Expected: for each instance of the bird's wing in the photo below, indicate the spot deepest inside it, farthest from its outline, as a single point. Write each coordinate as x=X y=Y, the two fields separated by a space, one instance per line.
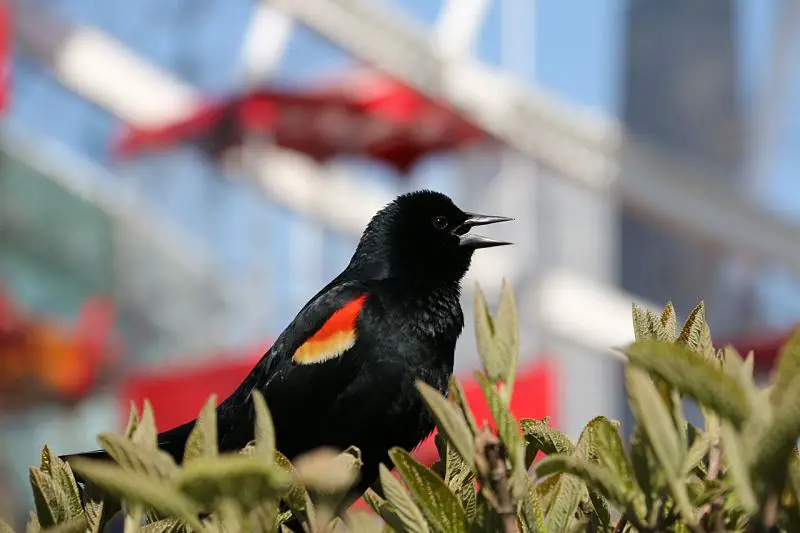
x=308 y=366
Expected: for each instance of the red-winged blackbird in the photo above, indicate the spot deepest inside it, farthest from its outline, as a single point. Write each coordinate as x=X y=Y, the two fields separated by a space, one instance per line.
x=343 y=372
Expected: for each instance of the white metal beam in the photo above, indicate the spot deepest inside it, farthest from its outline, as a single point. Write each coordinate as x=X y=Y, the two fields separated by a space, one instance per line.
x=571 y=143
x=458 y=25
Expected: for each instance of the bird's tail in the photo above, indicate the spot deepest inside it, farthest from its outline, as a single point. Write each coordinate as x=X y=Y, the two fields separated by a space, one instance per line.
x=172 y=441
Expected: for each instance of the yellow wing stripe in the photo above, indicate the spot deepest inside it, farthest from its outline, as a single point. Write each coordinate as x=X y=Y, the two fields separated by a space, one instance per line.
x=319 y=351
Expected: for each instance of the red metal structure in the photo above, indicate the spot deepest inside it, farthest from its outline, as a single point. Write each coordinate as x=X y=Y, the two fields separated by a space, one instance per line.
x=41 y=360
x=360 y=113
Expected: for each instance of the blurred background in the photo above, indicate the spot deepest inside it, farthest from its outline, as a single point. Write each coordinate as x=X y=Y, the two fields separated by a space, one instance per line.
x=177 y=178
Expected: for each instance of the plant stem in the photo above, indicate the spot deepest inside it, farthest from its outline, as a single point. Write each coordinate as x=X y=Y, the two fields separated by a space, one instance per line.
x=491 y=461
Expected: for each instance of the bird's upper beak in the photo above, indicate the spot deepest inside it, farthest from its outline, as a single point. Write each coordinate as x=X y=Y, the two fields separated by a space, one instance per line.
x=474 y=241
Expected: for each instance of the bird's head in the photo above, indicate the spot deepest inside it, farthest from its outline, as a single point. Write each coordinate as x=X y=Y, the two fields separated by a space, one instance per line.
x=422 y=235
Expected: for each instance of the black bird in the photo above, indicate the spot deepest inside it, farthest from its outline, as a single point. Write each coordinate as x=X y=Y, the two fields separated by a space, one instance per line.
x=343 y=372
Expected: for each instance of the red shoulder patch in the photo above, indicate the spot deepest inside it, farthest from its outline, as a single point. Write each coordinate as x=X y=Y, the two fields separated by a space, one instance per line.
x=336 y=336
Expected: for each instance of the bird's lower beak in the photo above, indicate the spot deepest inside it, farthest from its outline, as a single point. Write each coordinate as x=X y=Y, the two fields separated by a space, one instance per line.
x=473 y=241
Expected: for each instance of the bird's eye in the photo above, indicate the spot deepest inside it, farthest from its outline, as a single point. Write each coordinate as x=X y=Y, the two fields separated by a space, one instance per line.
x=439 y=222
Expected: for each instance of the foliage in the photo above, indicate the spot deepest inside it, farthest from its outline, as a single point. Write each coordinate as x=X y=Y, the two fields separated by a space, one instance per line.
x=739 y=472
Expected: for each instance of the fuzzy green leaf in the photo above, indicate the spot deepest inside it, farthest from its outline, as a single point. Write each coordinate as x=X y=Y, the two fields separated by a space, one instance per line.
x=202 y=441
x=450 y=422
x=773 y=445
x=48 y=498
x=694 y=376
x=5 y=527
x=385 y=510
x=655 y=419
x=596 y=477
x=327 y=471
x=509 y=432
x=507 y=336
x=491 y=354
x=61 y=475
x=136 y=487
x=611 y=455
x=565 y=497
x=167 y=525
x=265 y=429
x=145 y=433
x=138 y=458
x=133 y=421
x=250 y=480
x=531 y=510
x=646 y=324
x=691 y=335
x=787 y=369
x=697 y=452
x=546 y=438
x=440 y=506
x=296 y=496
x=407 y=512
x=738 y=468
x=670 y=322
x=457 y=396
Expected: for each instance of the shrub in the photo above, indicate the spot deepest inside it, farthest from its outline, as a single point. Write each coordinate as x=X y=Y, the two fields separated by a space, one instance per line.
x=740 y=472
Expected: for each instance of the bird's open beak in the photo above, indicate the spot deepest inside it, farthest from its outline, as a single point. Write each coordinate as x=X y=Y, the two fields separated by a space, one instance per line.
x=474 y=241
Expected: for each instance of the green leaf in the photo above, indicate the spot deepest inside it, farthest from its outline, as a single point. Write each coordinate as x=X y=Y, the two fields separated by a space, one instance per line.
x=406 y=510
x=250 y=480
x=202 y=442
x=670 y=322
x=138 y=458
x=566 y=495
x=167 y=525
x=691 y=335
x=492 y=355
x=648 y=325
x=133 y=421
x=655 y=419
x=456 y=395
x=5 y=527
x=440 y=506
x=697 y=452
x=61 y=475
x=545 y=438
x=507 y=336
x=694 y=376
x=328 y=471
x=772 y=446
x=385 y=510
x=265 y=429
x=736 y=367
x=787 y=368
x=136 y=487
x=296 y=496
x=450 y=422
x=738 y=468
x=509 y=432
x=47 y=496
x=611 y=455
x=145 y=433
x=596 y=477
x=531 y=510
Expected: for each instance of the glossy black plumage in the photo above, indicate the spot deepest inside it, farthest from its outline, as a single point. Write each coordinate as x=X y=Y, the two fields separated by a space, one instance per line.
x=409 y=263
